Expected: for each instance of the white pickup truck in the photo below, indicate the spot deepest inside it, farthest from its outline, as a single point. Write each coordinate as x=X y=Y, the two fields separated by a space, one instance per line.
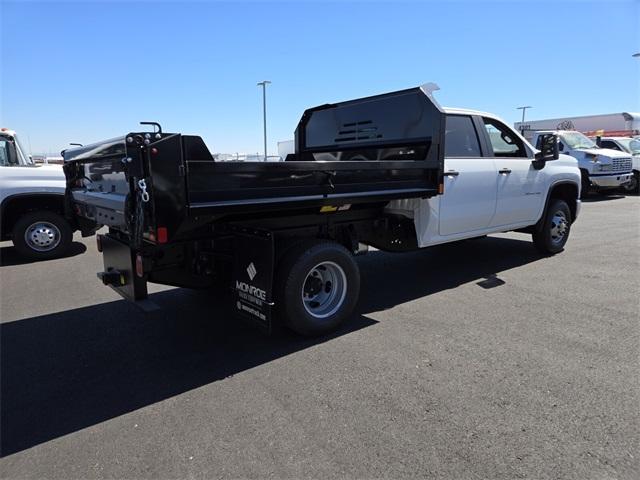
x=31 y=202
x=629 y=145
x=602 y=169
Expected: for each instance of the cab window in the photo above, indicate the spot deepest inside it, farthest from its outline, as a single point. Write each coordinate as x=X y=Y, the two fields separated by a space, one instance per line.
x=503 y=141
x=460 y=138
x=609 y=144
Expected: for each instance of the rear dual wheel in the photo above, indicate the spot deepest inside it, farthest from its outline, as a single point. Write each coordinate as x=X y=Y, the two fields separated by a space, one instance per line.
x=318 y=287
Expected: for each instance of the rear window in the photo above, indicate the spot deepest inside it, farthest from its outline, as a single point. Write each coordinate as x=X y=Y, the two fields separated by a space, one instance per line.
x=461 y=139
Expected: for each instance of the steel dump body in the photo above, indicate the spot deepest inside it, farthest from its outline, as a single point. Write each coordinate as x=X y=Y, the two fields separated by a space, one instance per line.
x=368 y=150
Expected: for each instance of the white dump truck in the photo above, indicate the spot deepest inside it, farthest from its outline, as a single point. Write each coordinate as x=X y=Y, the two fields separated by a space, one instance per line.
x=394 y=171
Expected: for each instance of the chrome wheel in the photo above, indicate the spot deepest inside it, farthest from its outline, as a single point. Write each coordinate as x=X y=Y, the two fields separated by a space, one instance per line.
x=42 y=236
x=324 y=289
x=559 y=227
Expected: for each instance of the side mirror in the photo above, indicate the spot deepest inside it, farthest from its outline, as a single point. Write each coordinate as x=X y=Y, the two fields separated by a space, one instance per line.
x=548 y=145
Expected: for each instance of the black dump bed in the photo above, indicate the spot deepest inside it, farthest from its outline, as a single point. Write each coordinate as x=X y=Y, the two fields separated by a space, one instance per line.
x=367 y=150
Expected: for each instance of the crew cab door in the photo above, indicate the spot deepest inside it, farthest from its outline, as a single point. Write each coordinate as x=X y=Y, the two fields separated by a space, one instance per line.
x=520 y=186
x=470 y=179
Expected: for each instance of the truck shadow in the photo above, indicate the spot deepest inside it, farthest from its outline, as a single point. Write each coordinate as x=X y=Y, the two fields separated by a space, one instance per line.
x=66 y=371
x=389 y=279
x=603 y=198
x=9 y=256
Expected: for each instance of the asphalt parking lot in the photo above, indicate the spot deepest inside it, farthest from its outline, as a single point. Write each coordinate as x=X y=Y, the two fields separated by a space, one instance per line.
x=476 y=360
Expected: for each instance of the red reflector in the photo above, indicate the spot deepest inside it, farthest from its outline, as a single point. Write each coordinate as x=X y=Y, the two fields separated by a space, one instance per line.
x=139 y=266
x=154 y=151
x=99 y=242
x=161 y=234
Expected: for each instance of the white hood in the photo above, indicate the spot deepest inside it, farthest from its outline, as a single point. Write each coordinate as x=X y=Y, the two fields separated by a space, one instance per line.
x=604 y=152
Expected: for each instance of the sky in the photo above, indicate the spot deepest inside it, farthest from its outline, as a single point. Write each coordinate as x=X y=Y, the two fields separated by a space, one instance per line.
x=88 y=71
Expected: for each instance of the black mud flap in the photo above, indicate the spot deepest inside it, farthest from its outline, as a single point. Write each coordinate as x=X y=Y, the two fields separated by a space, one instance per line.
x=120 y=273
x=253 y=277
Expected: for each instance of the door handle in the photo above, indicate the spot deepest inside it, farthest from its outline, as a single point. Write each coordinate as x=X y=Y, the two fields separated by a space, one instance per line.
x=452 y=173
x=506 y=171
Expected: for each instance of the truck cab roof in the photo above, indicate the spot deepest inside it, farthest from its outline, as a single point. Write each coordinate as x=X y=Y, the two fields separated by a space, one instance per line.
x=468 y=111
x=6 y=131
x=540 y=132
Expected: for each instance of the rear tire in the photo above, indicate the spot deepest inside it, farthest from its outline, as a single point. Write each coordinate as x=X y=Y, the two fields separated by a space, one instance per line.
x=552 y=235
x=41 y=235
x=317 y=288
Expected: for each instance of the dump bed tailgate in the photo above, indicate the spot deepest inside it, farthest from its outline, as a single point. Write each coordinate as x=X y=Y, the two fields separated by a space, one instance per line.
x=97 y=182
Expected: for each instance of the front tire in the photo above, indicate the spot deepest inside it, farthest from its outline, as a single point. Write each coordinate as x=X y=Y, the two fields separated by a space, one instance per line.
x=585 y=187
x=317 y=288
x=551 y=236
x=634 y=185
x=42 y=235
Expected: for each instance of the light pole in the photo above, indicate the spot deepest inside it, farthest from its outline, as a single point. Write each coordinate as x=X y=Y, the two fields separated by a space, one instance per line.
x=524 y=109
x=264 y=113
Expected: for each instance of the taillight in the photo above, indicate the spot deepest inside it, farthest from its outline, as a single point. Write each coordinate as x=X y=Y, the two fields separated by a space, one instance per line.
x=139 y=266
x=162 y=235
x=99 y=243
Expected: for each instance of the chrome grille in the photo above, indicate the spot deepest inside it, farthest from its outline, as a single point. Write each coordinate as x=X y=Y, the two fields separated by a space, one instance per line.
x=621 y=164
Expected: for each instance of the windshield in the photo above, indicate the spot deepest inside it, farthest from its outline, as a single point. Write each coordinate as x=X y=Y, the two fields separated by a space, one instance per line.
x=631 y=145
x=577 y=140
